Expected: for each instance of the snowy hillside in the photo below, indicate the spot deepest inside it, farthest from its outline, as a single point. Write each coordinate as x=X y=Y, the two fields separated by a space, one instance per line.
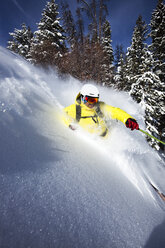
x=62 y=189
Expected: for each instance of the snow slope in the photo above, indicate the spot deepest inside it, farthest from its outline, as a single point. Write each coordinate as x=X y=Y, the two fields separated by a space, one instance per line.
x=63 y=189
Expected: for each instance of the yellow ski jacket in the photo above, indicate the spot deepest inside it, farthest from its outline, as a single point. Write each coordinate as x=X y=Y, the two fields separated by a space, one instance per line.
x=93 y=120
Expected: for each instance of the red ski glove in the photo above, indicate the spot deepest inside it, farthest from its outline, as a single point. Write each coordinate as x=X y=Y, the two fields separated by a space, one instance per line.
x=132 y=123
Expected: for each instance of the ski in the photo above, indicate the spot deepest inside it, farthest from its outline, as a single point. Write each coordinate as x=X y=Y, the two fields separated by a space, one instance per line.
x=159 y=193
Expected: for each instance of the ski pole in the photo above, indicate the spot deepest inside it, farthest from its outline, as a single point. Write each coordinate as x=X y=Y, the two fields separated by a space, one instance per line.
x=151 y=136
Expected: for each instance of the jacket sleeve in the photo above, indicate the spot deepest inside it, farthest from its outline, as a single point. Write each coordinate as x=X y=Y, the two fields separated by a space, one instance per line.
x=115 y=113
x=69 y=114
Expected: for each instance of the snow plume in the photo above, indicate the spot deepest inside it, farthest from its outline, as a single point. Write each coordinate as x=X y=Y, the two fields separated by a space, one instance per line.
x=60 y=188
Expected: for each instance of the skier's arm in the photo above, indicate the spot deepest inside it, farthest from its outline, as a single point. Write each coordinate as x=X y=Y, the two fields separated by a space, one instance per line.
x=118 y=114
x=69 y=117
x=121 y=115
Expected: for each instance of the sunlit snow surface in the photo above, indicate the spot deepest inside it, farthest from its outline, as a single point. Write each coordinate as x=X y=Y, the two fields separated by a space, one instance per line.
x=65 y=189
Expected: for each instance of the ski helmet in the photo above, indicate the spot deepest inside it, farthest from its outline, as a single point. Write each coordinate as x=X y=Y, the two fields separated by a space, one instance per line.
x=89 y=90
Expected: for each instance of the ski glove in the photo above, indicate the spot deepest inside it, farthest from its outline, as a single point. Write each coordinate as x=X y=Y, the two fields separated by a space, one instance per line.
x=132 y=123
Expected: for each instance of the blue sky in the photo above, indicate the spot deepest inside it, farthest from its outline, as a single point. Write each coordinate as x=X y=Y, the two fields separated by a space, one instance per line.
x=122 y=16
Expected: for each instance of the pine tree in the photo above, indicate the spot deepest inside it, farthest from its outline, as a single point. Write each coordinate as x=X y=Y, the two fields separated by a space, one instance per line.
x=119 y=53
x=157 y=47
x=135 y=52
x=48 y=44
x=120 y=77
x=107 y=68
x=151 y=94
x=21 y=40
x=148 y=87
x=157 y=35
x=146 y=68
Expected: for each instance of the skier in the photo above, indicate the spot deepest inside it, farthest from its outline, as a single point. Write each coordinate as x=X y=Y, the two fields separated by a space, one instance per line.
x=91 y=114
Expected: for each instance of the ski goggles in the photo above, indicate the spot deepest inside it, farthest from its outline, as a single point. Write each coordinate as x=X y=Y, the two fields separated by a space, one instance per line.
x=90 y=100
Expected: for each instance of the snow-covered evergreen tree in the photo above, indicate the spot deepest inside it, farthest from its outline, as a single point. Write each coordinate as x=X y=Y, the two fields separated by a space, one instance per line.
x=107 y=67
x=120 y=77
x=157 y=35
x=120 y=64
x=146 y=66
x=135 y=53
x=119 y=53
x=150 y=92
x=21 y=40
x=48 y=43
x=157 y=48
